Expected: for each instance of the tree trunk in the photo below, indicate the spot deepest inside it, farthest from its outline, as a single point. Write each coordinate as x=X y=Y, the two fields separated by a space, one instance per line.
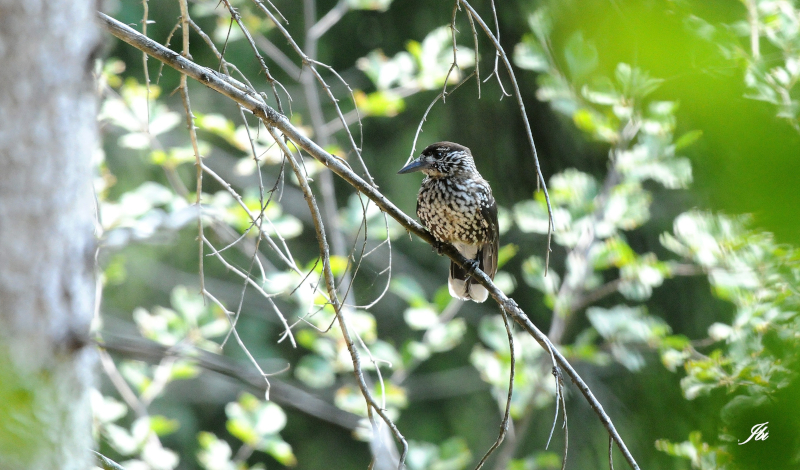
x=47 y=136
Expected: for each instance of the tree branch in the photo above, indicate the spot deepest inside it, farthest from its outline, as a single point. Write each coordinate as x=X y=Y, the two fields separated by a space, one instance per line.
x=282 y=392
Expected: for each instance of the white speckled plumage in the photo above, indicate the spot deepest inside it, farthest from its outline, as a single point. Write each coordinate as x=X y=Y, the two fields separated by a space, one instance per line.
x=456 y=205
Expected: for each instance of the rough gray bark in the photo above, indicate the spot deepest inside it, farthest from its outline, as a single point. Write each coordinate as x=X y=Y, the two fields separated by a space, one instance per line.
x=47 y=136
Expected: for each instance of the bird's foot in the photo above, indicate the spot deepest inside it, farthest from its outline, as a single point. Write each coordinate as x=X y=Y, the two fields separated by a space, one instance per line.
x=439 y=247
x=471 y=265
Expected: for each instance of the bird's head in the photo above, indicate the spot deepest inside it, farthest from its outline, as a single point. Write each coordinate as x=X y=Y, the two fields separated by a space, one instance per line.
x=442 y=160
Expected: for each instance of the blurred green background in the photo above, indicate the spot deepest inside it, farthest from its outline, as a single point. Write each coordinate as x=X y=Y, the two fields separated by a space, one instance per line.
x=744 y=162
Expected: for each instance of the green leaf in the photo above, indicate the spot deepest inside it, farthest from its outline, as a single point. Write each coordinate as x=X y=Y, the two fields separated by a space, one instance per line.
x=614 y=251
x=574 y=189
x=529 y=55
x=214 y=454
x=380 y=103
x=601 y=91
x=445 y=336
x=506 y=253
x=420 y=318
x=635 y=83
x=505 y=282
x=216 y=124
x=184 y=370
x=622 y=326
x=250 y=419
x=189 y=303
x=163 y=426
x=580 y=55
x=596 y=124
x=531 y=216
x=492 y=332
x=280 y=450
x=315 y=371
x=379 y=5
x=408 y=289
x=541 y=24
x=533 y=275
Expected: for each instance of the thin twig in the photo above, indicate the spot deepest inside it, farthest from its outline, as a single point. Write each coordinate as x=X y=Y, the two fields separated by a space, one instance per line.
x=504 y=422
x=270 y=79
x=610 y=454
x=277 y=56
x=528 y=133
x=253 y=283
x=495 y=72
x=477 y=58
x=286 y=257
x=145 y=20
x=184 y=87
x=564 y=426
x=454 y=64
x=141 y=349
x=440 y=96
x=328 y=20
x=328 y=274
x=310 y=62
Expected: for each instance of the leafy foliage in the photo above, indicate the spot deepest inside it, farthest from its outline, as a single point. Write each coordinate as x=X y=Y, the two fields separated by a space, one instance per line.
x=417 y=331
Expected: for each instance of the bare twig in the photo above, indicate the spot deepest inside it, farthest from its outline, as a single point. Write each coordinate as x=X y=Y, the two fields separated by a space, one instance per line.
x=454 y=64
x=193 y=137
x=328 y=275
x=149 y=351
x=563 y=401
x=477 y=57
x=521 y=105
x=495 y=72
x=271 y=117
x=258 y=288
x=331 y=18
x=277 y=56
x=610 y=453
x=270 y=79
x=310 y=63
x=440 y=96
x=504 y=422
x=145 y=21
x=286 y=257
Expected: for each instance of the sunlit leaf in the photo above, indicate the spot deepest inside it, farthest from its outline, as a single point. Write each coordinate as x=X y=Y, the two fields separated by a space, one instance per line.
x=529 y=55
x=380 y=5
x=380 y=103
x=163 y=426
x=445 y=336
x=214 y=454
x=580 y=55
x=315 y=371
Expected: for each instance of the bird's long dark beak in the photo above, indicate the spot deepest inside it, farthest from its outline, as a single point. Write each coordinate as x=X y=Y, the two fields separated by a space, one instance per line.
x=417 y=165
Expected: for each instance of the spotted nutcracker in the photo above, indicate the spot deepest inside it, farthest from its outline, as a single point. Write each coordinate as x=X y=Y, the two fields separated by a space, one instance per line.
x=456 y=204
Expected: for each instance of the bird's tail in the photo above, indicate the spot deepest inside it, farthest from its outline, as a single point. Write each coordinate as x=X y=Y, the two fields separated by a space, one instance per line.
x=461 y=284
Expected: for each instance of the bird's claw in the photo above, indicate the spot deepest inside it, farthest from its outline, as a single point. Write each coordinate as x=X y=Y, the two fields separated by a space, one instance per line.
x=439 y=247
x=471 y=266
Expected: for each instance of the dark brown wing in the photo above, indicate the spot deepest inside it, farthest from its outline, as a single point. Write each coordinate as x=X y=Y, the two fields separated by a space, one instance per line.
x=487 y=255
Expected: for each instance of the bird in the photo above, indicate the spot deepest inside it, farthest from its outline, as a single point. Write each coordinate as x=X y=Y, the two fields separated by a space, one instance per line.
x=456 y=205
